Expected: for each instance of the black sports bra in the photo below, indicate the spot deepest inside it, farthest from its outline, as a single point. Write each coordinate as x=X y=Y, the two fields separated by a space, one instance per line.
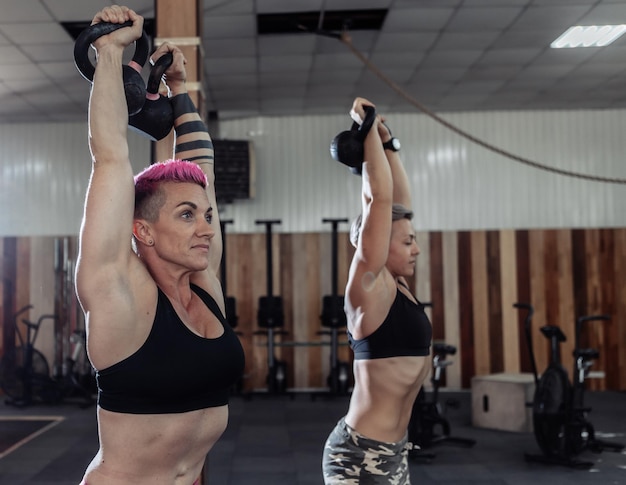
x=406 y=331
x=175 y=370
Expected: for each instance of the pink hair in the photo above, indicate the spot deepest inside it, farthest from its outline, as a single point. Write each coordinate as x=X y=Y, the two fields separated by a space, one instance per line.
x=148 y=181
x=170 y=171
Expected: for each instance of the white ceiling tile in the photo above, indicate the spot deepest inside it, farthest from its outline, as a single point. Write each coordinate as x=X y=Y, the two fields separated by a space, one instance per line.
x=281 y=6
x=10 y=55
x=21 y=71
x=438 y=75
x=425 y=46
x=282 y=105
x=49 y=52
x=280 y=91
x=61 y=70
x=284 y=63
x=287 y=78
x=606 y=14
x=340 y=78
x=558 y=18
x=330 y=45
x=417 y=19
x=241 y=81
x=241 y=65
x=336 y=61
x=357 y=4
x=226 y=27
x=405 y=41
x=467 y=40
x=23 y=11
x=272 y=45
x=513 y=39
x=36 y=33
x=443 y=57
x=499 y=57
x=70 y=10
x=479 y=19
x=237 y=47
x=220 y=7
x=396 y=60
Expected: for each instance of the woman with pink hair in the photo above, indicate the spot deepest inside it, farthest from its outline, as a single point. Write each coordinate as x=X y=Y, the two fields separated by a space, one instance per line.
x=164 y=354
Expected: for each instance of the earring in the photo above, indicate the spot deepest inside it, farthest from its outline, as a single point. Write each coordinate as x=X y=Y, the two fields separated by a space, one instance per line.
x=150 y=242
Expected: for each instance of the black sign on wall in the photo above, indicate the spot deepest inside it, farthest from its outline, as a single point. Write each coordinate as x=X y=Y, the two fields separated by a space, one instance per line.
x=234 y=170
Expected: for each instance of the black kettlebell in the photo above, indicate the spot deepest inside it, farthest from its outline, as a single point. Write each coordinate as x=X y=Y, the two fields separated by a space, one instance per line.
x=134 y=86
x=347 y=146
x=156 y=118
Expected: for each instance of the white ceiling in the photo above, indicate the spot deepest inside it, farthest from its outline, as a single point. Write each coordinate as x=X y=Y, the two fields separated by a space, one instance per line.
x=449 y=55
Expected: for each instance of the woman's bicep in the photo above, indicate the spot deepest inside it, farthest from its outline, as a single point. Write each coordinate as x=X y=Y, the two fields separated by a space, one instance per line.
x=106 y=229
x=373 y=244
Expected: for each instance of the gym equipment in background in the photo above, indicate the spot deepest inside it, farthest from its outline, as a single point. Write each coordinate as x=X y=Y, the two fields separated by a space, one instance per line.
x=347 y=146
x=334 y=318
x=230 y=303
x=150 y=113
x=25 y=373
x=428 y=414
x=561 y=427
x=271 y=318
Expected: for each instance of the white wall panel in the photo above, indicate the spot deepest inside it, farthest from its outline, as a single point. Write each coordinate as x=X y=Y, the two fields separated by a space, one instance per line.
x=457 y=184
x=44 y=171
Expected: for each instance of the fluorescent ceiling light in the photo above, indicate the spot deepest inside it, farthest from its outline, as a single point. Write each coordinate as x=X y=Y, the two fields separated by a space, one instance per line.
x=589 y=36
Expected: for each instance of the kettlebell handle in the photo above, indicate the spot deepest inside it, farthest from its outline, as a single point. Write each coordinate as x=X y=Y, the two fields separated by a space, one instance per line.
x=95 y=31
x=156 y=118
x=156 y=74
x=368 y=121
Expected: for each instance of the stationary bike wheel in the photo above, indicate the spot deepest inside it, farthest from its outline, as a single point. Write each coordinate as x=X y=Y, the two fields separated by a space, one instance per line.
x=579 y=434
x=13 y=374
x=550 y=410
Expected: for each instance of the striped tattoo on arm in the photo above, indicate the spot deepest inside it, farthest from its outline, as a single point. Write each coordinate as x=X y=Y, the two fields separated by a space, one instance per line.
x=193 y=141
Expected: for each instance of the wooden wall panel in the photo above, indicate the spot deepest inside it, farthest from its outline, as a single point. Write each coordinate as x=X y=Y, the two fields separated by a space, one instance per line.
x=536 y=248
x=466 y=309
x=345 y=252
x=494 y=300
x=9 y=305
x=22 y=283
x=284 y=271
x=615 y=349
x=257 y=359
x=522 y=268
x=472 y=277
x=508 y=296
x=306 y=302
x=438 y=310
x=451 y=303
x=591 y=334
x=564 y=300
x=422 y=269
x=42 y=277
x=608 y=280
x=480 y=307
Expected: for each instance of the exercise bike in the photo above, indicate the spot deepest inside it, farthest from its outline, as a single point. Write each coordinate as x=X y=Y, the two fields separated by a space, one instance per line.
x=25 y=374
x=427 y=414
x=561 y=426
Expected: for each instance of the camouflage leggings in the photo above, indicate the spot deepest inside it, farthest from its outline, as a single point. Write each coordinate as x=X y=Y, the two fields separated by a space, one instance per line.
x=352 y=459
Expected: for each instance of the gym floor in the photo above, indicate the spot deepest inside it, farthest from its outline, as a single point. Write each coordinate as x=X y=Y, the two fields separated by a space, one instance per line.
x=275 y=440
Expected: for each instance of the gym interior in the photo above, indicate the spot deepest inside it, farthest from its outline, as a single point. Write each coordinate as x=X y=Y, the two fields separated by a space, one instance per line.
x=519 y=203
